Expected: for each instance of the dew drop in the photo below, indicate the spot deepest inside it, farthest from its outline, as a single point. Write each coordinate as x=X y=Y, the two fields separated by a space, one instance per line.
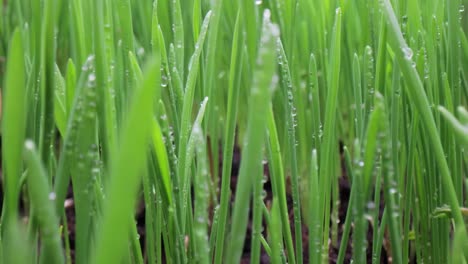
x=408 y=52
x=141 y=52
x=52 y=196
x=164 y=80
x=92 y=77
x=29 y=144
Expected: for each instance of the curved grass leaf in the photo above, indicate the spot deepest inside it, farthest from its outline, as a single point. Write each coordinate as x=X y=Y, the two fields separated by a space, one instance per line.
x=460 y=129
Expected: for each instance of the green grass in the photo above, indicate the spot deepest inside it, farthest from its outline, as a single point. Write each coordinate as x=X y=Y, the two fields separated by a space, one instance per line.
x=137 y=104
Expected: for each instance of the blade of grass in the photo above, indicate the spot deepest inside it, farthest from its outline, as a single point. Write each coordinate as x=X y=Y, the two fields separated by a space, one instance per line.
x=357 y=89
x=200 y=225
x=111 y=237
x=191 y=148
x=124 y=12
x=278 y=183
x=13 y=127
x=326 y=167
x=185 y=127
x=315 y=92
x=46 y=77
x=15 y=239
x=265 y=80
x=291 y=122
x=389 y=182
x=178 y=32
x=229 y=135
x=107 y=123
x=459 y=128
x=257 y=219
x=43 y=207
x=349 y=214
x=314 y=207
x=275 y=236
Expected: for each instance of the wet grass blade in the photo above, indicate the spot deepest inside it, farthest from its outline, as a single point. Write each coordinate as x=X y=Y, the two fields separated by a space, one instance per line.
x=178 y=31
x=329 y=141
x=70 y=77
x=291 y=122
x=47 y=77
x=237 y=60
x=163 y=160
x=43 y=207
x=185 y=126
x=106 y=115
x=275 y=235
x=13 y=126
x=315 y=222
x=389 y=181
x=316 y=111
x=277 y=181
x=130 y=160
x=264 y=82
x=200 y=225
x=191 y=148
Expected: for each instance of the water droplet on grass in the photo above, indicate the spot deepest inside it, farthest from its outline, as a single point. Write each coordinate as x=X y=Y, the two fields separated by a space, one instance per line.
x=141 y=52
x=408 y=52
x=29 y=144
x=164 y=80
x=52 y=196
x=371 y=205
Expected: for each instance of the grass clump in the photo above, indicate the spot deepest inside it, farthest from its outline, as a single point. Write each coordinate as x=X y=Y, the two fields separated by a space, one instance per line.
x=229 y=131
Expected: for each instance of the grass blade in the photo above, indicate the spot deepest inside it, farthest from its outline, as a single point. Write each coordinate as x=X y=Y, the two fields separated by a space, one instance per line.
x=43 y=207
x=291 y=122
x=185 y=127
x=329 y=142
x=237 y=60
x=13 y=125
x=265 y=81
x=129 y=160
